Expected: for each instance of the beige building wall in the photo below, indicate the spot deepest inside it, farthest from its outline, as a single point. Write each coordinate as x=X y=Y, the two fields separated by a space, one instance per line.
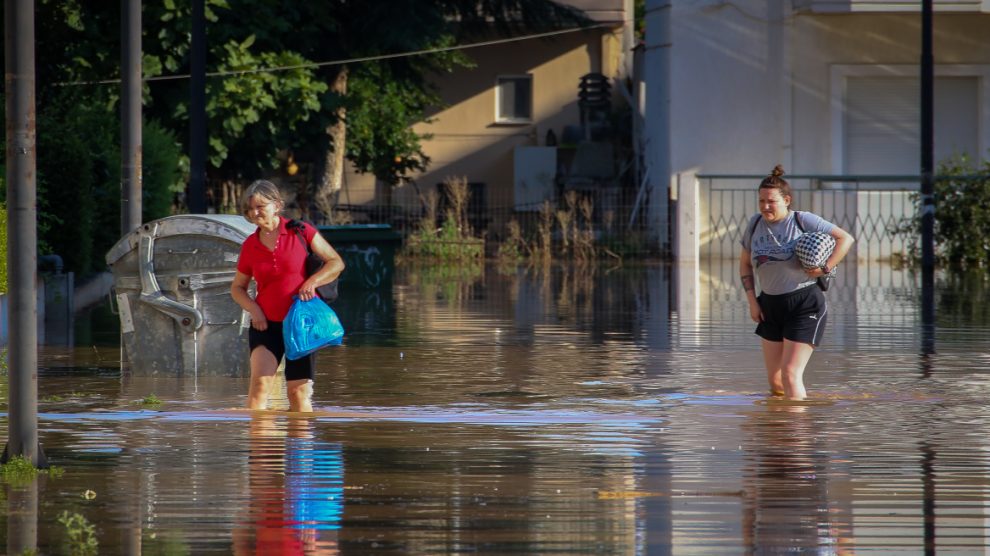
x=466 y=139
x=885 y=41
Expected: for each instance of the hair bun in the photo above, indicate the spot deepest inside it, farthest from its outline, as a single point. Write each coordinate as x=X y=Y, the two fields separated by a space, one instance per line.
x=778 y=171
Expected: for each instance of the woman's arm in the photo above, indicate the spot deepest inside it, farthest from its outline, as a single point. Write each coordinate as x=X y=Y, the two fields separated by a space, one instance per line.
x=749 y=284
x=333 y=265
x=238 y=290
x=843 y=243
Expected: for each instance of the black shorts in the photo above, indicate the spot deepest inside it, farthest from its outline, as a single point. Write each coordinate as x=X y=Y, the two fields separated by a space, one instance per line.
x=798 y=316
x=295 y=369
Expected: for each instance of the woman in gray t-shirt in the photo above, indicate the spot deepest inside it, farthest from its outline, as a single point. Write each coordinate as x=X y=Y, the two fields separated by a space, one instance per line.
x=791 y=310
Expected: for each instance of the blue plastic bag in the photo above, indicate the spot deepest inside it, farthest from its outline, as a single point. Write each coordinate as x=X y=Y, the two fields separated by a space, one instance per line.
x=309 y=326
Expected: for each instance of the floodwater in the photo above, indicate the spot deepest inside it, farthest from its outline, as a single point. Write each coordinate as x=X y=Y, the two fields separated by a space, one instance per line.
x=575 y=411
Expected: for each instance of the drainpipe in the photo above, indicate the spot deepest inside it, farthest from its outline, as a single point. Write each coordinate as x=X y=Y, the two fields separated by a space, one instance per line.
x=22 y=234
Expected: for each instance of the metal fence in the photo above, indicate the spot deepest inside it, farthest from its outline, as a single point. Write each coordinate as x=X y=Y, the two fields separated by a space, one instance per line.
x=611 y=216
x=875 y=209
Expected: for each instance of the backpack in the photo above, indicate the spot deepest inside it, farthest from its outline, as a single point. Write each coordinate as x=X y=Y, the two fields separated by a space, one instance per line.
x=824 y=282
x=326 y=292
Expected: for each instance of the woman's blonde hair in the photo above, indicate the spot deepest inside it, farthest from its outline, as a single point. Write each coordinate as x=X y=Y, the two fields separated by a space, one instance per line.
x=264 y=189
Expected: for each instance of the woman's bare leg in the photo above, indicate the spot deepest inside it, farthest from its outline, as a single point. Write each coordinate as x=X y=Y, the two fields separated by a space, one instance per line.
x=793 y=360
x=263 y=367
x=300 y=395
x=771 y=358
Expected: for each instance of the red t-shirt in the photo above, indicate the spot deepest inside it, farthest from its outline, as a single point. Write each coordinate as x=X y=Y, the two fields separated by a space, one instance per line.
x=280 y=273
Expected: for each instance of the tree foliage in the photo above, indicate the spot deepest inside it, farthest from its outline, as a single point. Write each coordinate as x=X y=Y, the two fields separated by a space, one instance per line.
x=270 y=66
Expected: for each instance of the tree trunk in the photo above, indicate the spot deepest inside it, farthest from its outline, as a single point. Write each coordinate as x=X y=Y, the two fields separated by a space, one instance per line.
x=333 y=168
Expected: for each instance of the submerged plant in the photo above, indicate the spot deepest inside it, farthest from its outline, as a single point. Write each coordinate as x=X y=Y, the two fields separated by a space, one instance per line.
x=151 y=399
x=81 y=533
x=18 y=471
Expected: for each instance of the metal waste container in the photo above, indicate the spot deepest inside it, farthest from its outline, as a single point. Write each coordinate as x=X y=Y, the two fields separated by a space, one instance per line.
x=368 y=251
x=171 y=282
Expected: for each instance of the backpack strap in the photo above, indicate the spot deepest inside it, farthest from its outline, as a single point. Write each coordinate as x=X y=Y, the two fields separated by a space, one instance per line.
x=756 y=222
x=297 y=227
x=752 y=229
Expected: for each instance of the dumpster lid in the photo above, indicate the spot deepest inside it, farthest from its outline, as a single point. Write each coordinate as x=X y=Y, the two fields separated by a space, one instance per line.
x=229 y=227
x=359 y=232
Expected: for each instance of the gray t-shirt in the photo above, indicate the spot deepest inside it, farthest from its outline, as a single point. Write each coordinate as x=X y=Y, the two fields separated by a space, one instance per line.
x=771 y=247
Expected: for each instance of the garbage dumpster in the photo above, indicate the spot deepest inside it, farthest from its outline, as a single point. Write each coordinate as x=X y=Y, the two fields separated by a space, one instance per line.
x=368 y=251
x=171 y=282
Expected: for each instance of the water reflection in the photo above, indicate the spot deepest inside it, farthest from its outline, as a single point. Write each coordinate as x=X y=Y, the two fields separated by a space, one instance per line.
x=789 y=504
x=565 y=410
x=295 y=490
x=22 y=518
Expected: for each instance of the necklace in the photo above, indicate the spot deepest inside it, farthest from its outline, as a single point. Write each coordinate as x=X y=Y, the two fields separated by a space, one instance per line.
x=769 y=231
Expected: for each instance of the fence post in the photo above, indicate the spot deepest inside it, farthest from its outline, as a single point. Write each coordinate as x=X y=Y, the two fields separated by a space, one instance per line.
x=687 y=246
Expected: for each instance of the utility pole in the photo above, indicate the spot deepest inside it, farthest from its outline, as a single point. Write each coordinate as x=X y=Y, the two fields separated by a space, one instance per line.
x=22 y=234
x=130 y=115
x=927 y=178
x=197 y=110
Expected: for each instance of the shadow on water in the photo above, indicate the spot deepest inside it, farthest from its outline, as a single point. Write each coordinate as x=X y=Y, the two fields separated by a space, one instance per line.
x=534 y=410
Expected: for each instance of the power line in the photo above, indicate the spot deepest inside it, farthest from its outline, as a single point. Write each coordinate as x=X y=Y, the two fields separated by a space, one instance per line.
x=342 y=62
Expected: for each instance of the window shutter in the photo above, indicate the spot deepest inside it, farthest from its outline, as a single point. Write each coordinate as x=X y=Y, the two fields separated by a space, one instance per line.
x=882 y=122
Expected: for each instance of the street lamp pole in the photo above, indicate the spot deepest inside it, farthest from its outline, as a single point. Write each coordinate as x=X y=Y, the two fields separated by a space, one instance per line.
x=927 y=172
x=22 y=234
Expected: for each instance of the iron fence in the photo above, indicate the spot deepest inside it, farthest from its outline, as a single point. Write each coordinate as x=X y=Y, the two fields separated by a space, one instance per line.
x=875 y=209
x=614 y=222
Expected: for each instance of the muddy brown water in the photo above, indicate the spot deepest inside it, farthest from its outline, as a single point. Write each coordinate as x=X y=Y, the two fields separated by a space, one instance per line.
x=527 y=412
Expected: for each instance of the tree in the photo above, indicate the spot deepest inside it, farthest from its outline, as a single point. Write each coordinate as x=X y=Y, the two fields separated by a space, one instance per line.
x=321 y=80
x=372 y=96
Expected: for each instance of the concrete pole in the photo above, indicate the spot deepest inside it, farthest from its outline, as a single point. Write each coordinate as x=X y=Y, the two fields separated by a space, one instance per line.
x=657 y=119
x=197 y=110
x=22 y=234
x=130 y=116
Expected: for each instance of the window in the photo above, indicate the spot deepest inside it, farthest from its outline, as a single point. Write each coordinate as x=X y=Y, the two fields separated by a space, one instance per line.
x=514 y=99
x=876 y=117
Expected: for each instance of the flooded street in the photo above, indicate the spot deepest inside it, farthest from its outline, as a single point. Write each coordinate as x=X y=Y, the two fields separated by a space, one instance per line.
x=576 y=411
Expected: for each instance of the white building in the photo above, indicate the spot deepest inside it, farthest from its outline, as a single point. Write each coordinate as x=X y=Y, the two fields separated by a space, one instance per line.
x=823 y=87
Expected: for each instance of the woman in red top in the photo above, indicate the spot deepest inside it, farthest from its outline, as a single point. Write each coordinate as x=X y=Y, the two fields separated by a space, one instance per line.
x=275 y=258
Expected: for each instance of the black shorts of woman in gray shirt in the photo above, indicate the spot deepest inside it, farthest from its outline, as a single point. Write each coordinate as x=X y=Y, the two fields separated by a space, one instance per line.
x=798 y=316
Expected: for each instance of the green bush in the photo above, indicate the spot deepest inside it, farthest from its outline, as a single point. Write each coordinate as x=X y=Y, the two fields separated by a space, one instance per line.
x=161 y=175
x=79 y=179
x=962 y=216
x=66 y=175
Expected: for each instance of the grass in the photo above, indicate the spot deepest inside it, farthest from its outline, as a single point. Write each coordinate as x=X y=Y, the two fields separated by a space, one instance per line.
x=19 y=472
x=454 y=241
x=151 y=400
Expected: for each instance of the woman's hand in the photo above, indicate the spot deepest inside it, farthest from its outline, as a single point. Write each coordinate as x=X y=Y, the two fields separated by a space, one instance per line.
x=258 y=320
x=755 y=312
x=308 y=289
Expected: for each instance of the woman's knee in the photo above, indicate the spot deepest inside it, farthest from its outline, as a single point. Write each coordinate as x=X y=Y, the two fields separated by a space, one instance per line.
x=299 y=388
